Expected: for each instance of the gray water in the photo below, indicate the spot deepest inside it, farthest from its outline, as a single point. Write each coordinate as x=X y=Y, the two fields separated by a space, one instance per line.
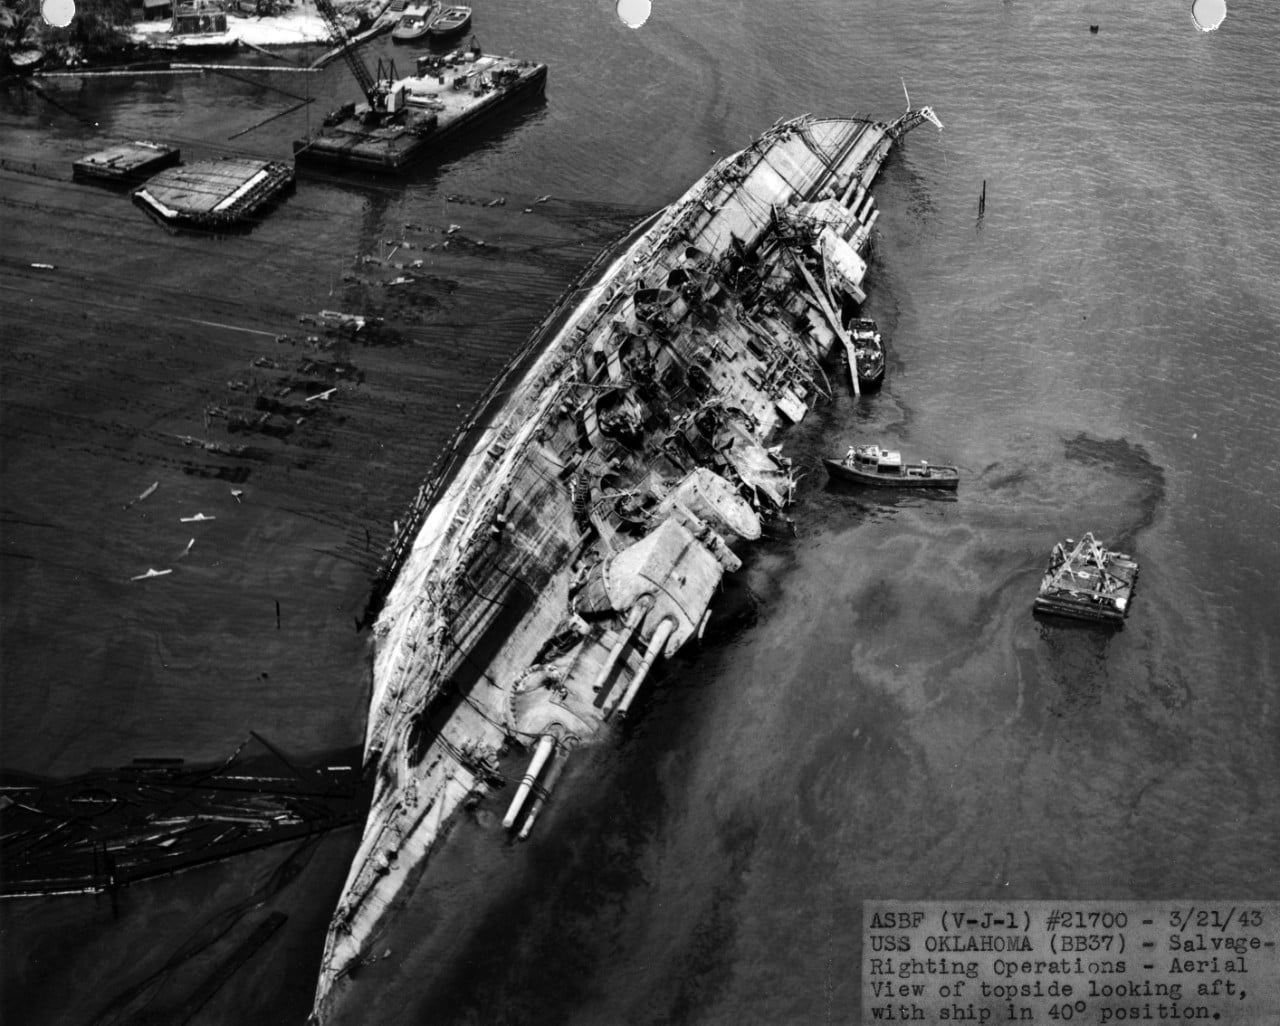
x=1098 y=352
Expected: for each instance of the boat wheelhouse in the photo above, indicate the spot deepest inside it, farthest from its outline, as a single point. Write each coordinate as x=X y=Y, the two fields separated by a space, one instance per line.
x=884 y=468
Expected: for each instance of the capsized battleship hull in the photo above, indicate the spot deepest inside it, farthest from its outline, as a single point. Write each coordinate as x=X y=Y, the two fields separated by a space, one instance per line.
x=596 y=501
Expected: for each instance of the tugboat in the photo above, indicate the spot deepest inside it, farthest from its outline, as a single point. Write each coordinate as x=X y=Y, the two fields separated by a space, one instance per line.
x=1087 y=582
x=867 y=351
x=883 y=468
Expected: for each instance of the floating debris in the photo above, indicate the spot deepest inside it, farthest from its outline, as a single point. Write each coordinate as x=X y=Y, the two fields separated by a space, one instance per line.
x=149 y=574
x=102 y=830
x=147 y=493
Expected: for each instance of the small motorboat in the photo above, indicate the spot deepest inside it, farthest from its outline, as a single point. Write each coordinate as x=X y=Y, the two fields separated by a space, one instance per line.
x=866 y=350
x=872 y=465
x=1087 y=582
x=449 y=21
x=414 y=23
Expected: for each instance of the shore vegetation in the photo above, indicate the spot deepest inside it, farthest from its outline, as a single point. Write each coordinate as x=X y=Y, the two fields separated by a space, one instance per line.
x=99 y=29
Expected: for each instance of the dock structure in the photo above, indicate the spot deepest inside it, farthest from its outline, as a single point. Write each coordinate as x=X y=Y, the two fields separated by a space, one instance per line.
x=215 y=193
x=127 y=163
x=600 y=493
x=107 y=828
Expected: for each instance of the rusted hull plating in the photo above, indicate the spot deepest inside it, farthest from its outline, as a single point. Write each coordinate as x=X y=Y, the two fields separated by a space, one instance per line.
x=582 y=536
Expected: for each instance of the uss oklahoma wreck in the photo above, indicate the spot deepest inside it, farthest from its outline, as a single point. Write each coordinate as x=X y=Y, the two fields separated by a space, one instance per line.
x=598 y=496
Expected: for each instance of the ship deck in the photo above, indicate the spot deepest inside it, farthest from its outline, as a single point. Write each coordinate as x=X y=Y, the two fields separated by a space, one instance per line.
x=683 y=353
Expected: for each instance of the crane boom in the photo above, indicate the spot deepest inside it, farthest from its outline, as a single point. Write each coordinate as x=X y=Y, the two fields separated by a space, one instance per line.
x=357 y=66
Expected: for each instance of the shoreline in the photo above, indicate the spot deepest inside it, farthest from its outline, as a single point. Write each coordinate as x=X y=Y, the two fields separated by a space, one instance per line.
x=297 y=27
x=144 y=39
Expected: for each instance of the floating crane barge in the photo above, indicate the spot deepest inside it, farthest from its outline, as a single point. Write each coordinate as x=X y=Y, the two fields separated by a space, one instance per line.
x=408 y=119
x=596 y=501
x=1087 y=582
x=403 y=121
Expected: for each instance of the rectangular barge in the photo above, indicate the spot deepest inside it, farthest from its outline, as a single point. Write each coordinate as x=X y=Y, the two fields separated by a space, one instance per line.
x=411 y=119
x=215 y=193
x=127 y=163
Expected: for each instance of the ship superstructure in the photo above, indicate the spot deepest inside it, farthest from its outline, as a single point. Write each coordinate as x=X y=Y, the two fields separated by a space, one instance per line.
x=596 y=502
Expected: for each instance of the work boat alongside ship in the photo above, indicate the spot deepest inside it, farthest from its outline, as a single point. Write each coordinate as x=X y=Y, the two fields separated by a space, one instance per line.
x=599 y=495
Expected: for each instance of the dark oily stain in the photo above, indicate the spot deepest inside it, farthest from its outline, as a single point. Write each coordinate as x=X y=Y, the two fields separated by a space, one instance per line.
x=874 y=776
x=1076 y=663
x=703 y=966
x=1126 y=460
x=571 y=898
x=1011 y=479
x=235 y=475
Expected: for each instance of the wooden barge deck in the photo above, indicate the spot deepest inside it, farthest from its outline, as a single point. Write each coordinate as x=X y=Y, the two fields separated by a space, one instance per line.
x=215 y=193
x=127 y=163
x=427 y=113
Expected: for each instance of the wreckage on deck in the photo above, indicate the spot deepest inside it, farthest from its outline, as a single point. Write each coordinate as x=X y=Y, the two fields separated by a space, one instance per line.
x=594 y=507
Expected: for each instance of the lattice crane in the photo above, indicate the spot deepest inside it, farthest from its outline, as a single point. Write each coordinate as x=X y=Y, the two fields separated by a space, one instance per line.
x=375 y=89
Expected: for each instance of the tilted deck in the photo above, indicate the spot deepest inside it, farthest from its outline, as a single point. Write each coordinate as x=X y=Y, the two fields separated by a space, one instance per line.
x=591 y=513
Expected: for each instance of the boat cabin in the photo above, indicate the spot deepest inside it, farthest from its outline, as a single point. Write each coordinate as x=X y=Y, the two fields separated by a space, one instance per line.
x=198 y=17
x=873 y=459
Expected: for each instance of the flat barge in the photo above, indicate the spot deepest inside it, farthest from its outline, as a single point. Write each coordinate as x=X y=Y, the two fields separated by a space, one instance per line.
x=215 y=193
x=405 y=121
x=127 y=163
x=596 y=501
x=1086 y=581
